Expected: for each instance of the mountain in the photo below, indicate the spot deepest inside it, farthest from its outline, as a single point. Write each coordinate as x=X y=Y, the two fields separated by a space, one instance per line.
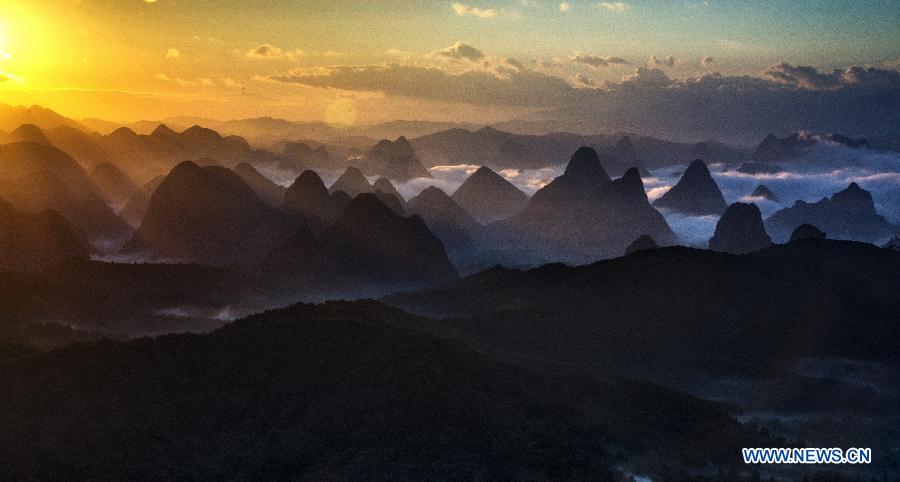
x=384 y=185
x=368 y=244
x=806 y=231
x=146 y=156
x=308 y=197
x=412 y=128
x=28 y=133
x=209 y=215
x=499 y=149
x=849 y=214
x=640 y=244
x=395 y=160
x=36 y=241
x=298 y=154
x=268 y=191
x=740 y=230
x=489 y=197
x=762 y=191
x=35 y=177
x=446 y=219
x=341 y=390
x=695 y=193
x=351 y=182
x=582 y=216
x=772 y=148
x=12 y=117
x=115 y=186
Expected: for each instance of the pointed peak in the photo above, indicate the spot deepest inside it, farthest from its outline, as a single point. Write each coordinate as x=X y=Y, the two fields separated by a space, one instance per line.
x=309 y=177
x=162 y=130
x=698 y=164
x=123 y=132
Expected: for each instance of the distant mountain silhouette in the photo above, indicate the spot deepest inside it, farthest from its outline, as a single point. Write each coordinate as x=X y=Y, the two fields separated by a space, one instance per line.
x=35 y=177
x=695 y=193
x=368 y=243
x=640 y=244
x=762 y=191
x=395 y=160
x=146 y=156
x=36 y=241
x=489 y=197
x=740 y=230
x=795 y=145
x=12 y=117
x=444 y=217
x=28 y=133
x=583 y=216
x=849 y=214
x=620 y=157
x=806 y=231
x=268 y=191
x=299 y=155
x=504 y=150
x=384 y=185
x=209 y=215
x=893 y=244
x=351 y=182
x=115 y=186
x=309 y=198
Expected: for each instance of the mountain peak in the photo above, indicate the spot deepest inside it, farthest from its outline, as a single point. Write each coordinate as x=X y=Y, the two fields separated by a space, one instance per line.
x=695 y=193
x=488 y=196
x=163 y=130
x=352 y=182
x=855 y=199
x=806 y=231
x=29 y=133
x=584 y=168
x=740 y=230
x=762 y=191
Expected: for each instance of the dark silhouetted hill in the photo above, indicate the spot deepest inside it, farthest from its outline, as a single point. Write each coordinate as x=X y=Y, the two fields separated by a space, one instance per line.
x=114 y=185
x=740 y=230
x=35 y=177
x=762 y=191
x=806 y=231
x=268 y=191
x=849 y=214
x=394 y=160
x=33 y=242
x=695 y=193
x=489 y=197
x=209 y=215
x=446 y=219
x=309 y=198
x=582 y=216
x=352 y=182
x=640 y=244
x=368 y=244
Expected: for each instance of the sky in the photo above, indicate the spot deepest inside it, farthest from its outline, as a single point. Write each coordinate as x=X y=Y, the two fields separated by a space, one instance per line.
x=485 y=61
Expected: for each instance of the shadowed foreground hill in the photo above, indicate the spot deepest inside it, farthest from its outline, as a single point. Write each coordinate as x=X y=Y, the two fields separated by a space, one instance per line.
x=814 y=297
x=340 y=391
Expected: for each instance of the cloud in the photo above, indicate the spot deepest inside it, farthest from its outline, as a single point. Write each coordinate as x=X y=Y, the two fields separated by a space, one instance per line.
x=203 y=82
x=231 y=83
x=515 y=88
x=268 y=51
x=655 y=62
x=463 y=10
x=614 y=6
x=173 y=54
x=461 y=51
x=647 y=77
x=597 y=61
x=809 y=78
x=707 y=62
x=565 y=7
x=582 y=81
x=511 y=62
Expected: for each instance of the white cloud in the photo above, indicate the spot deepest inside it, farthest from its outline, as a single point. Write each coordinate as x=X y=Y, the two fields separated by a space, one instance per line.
x=463 y=10
x=614 y=6
x=461 y=51
x=655 y=62
x=173 y=54
x=565 y=7
x=597 y=61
